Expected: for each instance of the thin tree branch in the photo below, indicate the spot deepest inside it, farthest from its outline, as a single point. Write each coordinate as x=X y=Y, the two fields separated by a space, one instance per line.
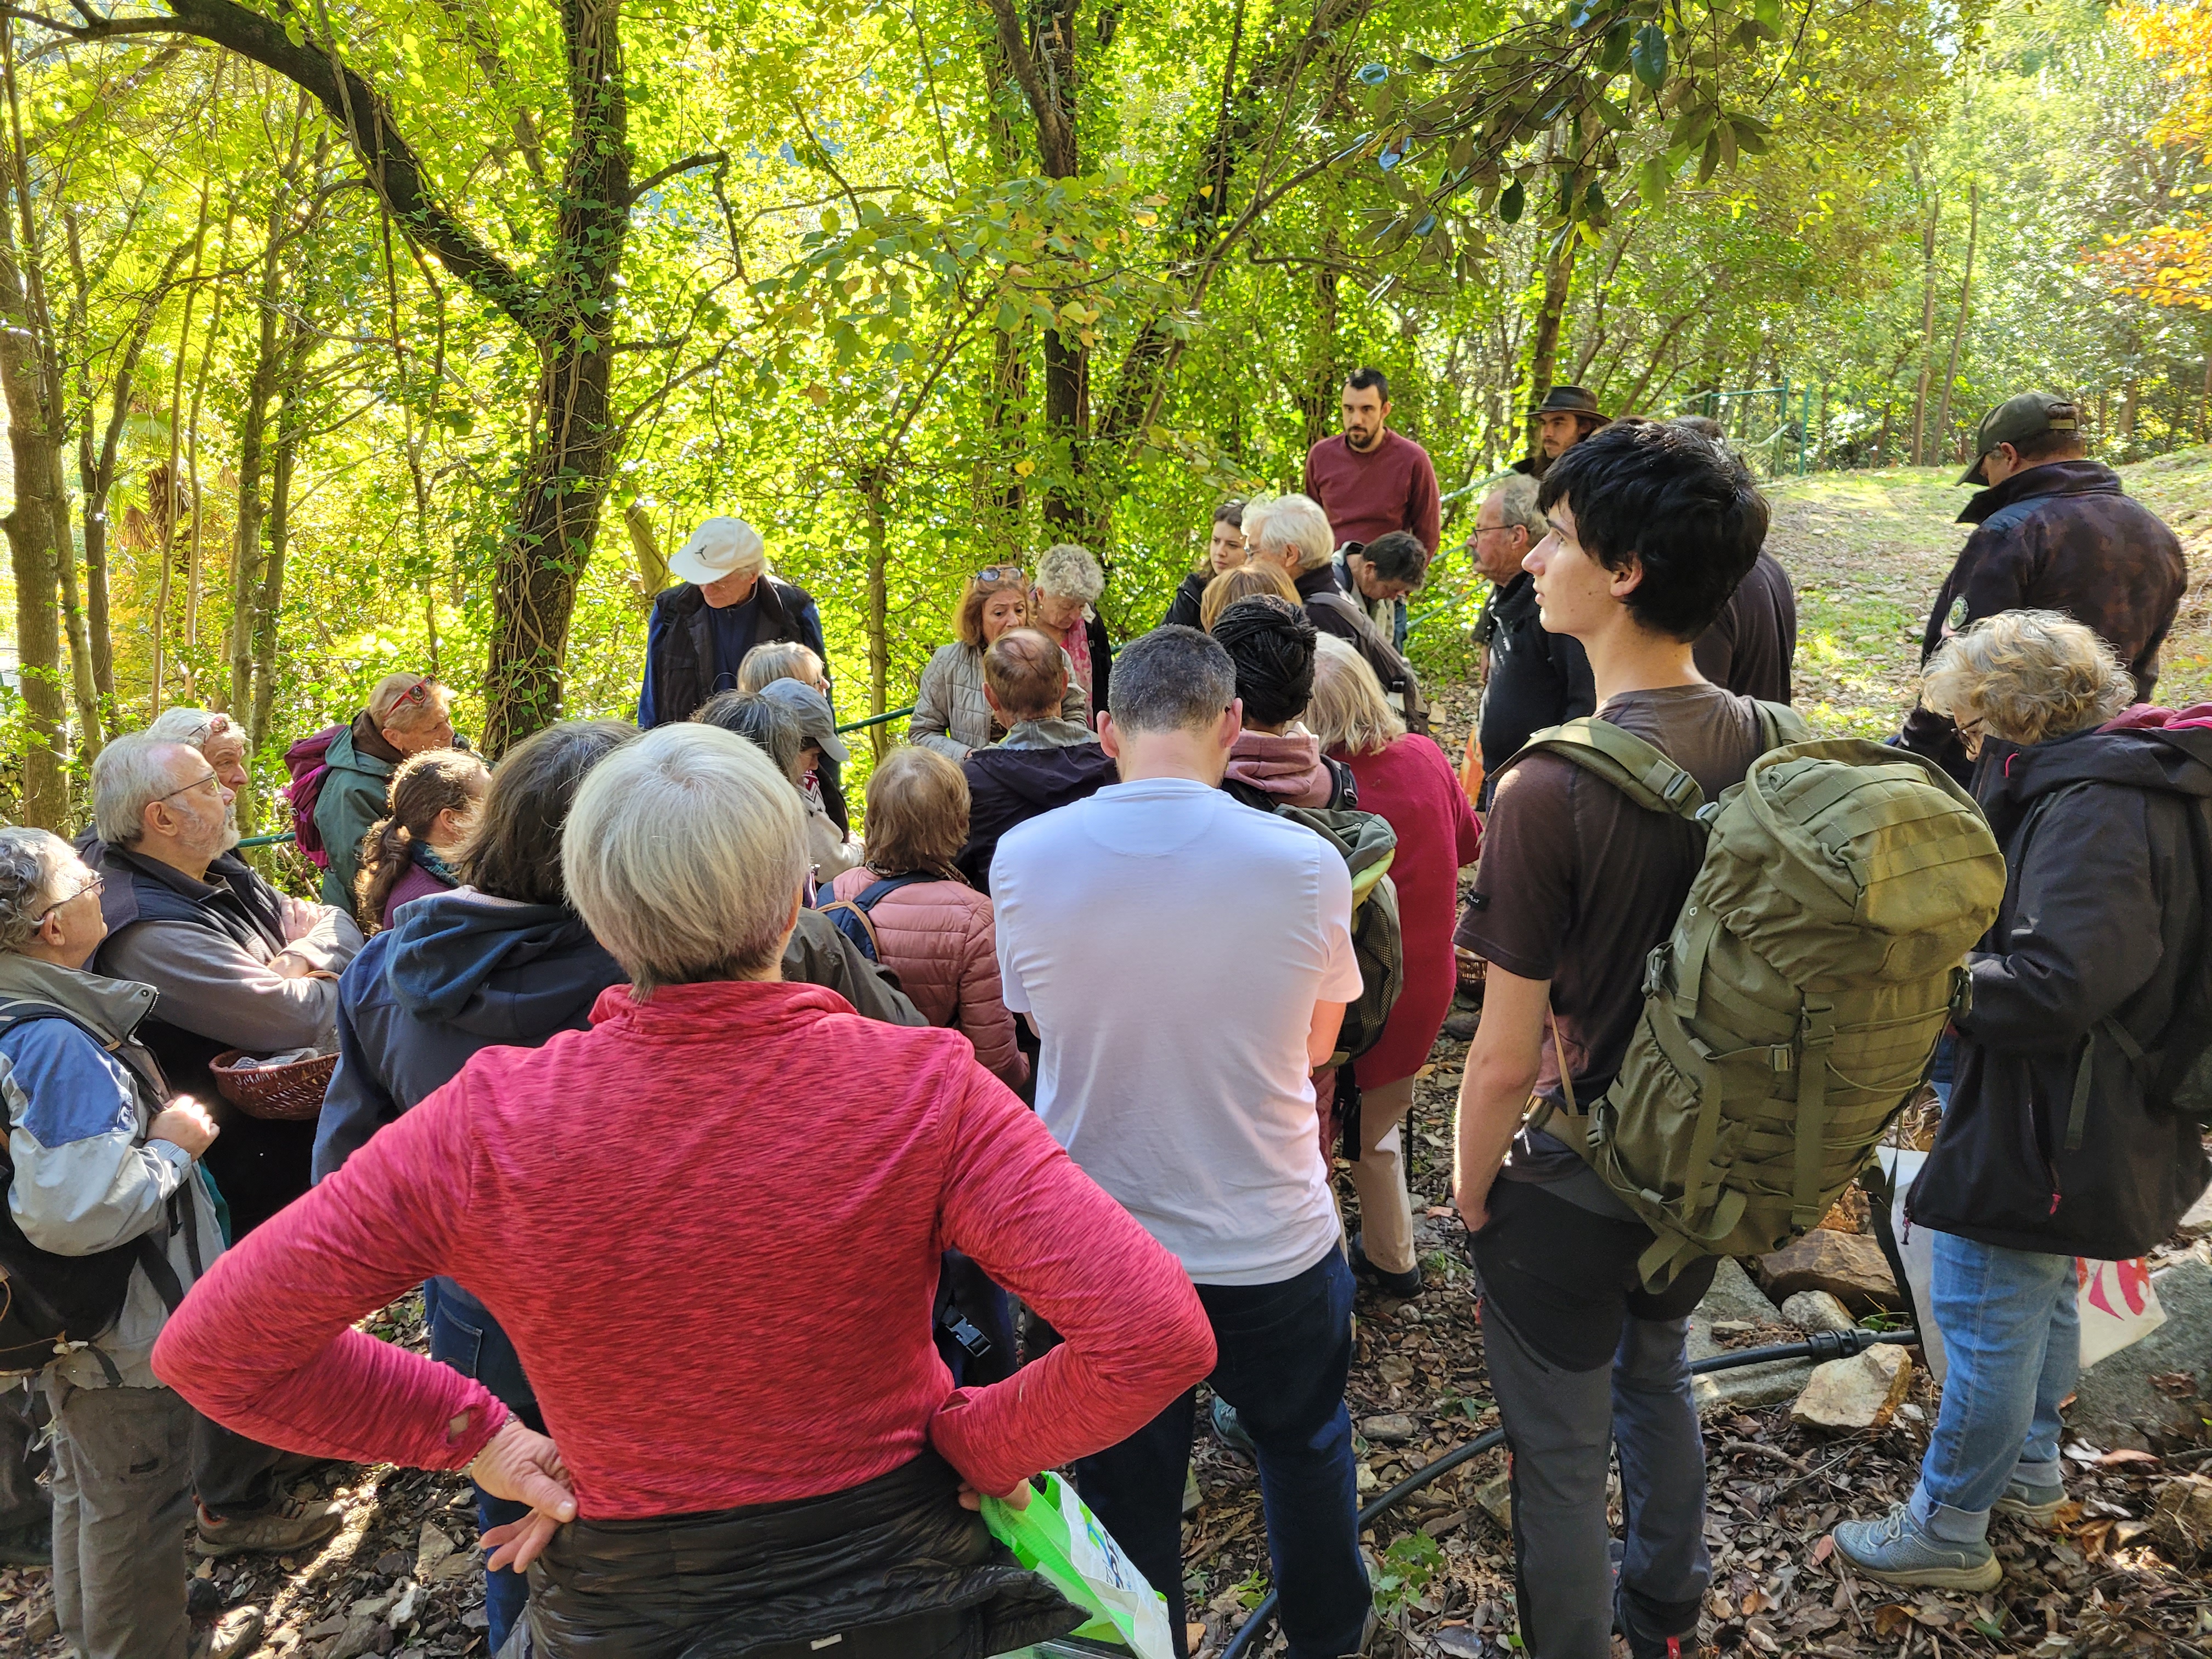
x=713 y=158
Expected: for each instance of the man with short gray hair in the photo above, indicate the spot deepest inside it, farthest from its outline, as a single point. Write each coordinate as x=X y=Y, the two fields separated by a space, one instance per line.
x=237 y=965
x=1291 y=532
x=1186 y=962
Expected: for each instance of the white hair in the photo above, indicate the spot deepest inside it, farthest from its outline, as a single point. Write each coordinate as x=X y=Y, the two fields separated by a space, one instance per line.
x=132 y=773
x=195 y=728
x=1291 y=524
x=683 y=854
x=30 y=862
x=1066 y=571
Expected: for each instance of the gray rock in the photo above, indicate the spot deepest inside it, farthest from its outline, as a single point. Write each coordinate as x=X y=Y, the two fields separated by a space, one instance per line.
x=1734 y=1300
x=1392 y=1429
x=1458 y=1641
x=2115 y=1398
x=1863 y=1392
x=1817 y=1310
x=1494 y=1498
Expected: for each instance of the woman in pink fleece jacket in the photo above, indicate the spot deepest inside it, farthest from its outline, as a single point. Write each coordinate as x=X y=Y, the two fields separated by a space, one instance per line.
x=934 y=931
x=711 y=1225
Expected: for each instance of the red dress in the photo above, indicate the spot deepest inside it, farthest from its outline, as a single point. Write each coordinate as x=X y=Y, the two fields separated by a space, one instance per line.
x=1412 y=786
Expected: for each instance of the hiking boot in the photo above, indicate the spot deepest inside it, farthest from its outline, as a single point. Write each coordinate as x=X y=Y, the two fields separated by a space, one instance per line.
x=1898 y=1550
x=236 y=1634
x=2037 y=1505
x=28 y=1546
x=1642 y=1644
x=1230 y=1429
x=285 y=1525
x=1405 y=1286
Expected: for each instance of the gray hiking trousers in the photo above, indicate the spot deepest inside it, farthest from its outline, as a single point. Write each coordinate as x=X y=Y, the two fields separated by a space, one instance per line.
x=1562 y=1427
x=123 y=1475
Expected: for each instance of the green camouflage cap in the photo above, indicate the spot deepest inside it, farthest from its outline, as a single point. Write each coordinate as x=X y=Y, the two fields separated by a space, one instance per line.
x=2030 y=414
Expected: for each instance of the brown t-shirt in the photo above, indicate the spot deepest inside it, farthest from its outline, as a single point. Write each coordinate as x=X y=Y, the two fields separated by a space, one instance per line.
x=1578 y=885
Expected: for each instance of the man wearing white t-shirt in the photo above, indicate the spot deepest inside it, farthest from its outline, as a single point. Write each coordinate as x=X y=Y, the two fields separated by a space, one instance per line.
x=1185 y=960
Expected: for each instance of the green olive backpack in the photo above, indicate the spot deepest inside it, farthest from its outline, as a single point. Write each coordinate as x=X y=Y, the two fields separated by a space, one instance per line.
x=1794 y=1008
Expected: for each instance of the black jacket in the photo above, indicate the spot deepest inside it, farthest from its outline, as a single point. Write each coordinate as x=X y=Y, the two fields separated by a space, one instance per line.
x=1102 y=663
x=2058 y=537
x=1531 y=678
x=1752 y=643
x=814 y=1571
x=1007 y=787
x=1183 y=609
x=2103 y=922
x=682 y=668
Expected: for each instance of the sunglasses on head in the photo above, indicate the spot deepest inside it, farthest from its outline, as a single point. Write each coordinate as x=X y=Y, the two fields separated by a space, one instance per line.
x=1001 y=573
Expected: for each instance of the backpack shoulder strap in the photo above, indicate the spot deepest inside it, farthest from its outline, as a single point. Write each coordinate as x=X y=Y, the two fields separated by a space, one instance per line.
x=867 y=898
x=1638 y=770
x=1779 y=725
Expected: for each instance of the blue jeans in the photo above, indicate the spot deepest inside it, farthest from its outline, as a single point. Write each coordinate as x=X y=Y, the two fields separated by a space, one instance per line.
x=2012 y=1340
x=466 y=1337
x=1283 y=1351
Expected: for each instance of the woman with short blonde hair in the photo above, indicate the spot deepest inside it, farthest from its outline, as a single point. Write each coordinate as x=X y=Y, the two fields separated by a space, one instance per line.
x=932 y=930
x=781 y=660
x=1246 y=581
x=1349 y=712
x=2024 y=675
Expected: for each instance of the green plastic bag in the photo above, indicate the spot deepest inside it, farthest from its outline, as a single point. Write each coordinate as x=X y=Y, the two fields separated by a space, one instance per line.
x=1056 y=1536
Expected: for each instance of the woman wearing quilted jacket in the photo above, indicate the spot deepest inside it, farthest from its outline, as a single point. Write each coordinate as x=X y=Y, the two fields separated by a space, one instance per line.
x=935 y=931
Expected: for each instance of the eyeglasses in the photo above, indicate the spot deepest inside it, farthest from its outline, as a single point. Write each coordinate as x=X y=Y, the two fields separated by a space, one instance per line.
x=197 y=783
x=418 y=693
x=1002 y=573
x=92 y=886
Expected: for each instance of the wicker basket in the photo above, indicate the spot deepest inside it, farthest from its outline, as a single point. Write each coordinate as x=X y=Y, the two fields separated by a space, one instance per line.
x=286 y=1094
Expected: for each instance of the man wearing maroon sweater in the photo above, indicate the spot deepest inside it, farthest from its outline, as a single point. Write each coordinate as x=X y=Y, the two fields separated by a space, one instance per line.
x=1369 y=479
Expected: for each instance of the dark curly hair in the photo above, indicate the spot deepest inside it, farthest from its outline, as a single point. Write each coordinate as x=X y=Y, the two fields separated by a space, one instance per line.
x=1271 y=643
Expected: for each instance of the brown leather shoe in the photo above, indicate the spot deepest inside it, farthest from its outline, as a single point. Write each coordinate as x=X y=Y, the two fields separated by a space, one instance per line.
x=284 y=1526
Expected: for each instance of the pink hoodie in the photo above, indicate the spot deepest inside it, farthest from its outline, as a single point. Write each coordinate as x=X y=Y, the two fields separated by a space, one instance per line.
x=1287 y=767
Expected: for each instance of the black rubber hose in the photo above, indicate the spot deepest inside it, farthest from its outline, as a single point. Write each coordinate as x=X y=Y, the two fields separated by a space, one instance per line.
x=1821 y=1345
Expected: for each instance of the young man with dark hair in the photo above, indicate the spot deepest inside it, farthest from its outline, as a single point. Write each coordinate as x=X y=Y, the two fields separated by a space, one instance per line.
x=2053 y=531
x=1369 y=479
x=1186 y=961
x=1651 y=528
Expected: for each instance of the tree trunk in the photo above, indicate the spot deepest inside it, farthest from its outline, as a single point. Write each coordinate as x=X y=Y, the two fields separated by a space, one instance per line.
x=1319 y=402
x=879 y=618
x=564 y=479
x=1966 y=305
x=1544 y=357
x=37 y=527
x=645 y=546
x=253 y=435
x=1927 y=330
x=291 y=433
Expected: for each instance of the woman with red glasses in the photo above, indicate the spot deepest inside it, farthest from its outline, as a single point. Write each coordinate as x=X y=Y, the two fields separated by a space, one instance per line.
x=950 y=714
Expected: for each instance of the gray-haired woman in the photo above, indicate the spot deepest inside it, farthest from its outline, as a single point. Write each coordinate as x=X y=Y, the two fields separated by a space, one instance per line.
x=782 y=1469
x=1068 y=584
x=2062 y=1139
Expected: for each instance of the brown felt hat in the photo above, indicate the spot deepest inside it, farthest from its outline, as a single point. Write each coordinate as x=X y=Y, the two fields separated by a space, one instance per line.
x=1570 y=400
x=2030 y=414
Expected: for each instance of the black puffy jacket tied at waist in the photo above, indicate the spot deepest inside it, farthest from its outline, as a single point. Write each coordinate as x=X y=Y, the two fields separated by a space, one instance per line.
x=761 y=1577
x=2052 y=1141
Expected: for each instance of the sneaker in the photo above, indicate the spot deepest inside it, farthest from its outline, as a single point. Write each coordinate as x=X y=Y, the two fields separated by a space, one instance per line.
x=1898 y=1550
x=1405 y=1286
x=2037 y=1505
x=236 y=1634
x=1230 y=1429
x=28 y=1546
x=285 y=1525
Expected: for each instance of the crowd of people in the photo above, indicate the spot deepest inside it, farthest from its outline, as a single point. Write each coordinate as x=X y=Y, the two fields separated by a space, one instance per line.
x=991 y=1113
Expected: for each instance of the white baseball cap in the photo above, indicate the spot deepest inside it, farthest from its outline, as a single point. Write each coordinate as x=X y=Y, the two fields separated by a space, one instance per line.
x=719 y=548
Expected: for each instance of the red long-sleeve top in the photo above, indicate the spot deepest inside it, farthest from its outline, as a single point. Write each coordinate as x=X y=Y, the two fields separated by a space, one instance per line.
x=711 y=1225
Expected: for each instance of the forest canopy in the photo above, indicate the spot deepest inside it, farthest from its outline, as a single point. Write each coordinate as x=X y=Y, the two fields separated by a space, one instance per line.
x=417 y=333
